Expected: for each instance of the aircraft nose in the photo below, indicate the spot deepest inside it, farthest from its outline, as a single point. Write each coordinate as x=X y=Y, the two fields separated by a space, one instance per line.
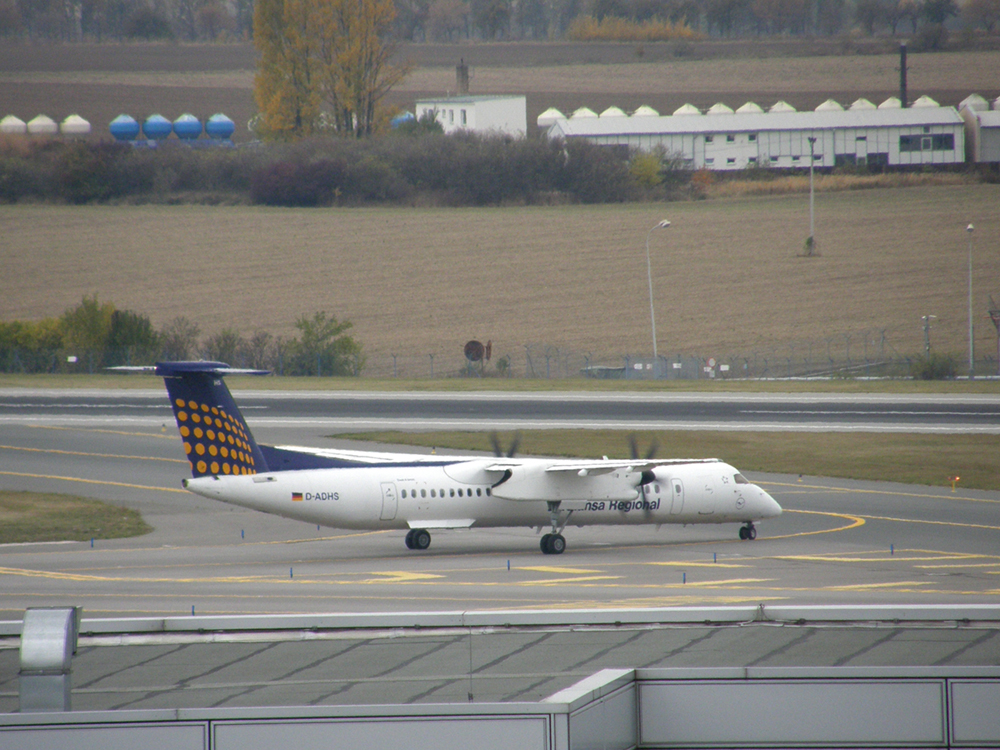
x=769 y=505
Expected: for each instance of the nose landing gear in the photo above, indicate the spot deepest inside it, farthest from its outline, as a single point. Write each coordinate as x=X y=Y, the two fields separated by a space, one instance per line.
x=748 y=532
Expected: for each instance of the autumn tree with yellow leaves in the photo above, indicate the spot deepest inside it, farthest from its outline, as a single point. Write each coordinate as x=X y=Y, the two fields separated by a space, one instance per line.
x=324 y=65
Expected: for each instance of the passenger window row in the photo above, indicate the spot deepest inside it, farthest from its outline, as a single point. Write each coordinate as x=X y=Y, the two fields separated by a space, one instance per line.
x=460 y=492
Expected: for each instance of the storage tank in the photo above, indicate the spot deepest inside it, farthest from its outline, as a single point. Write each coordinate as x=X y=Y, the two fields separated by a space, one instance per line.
x=220 y=127
x=12 y=125
x=187 y=127
x=42 y=125
x=645 y=111
x=156 y=127
x=124 y=128
x=687 y=109
x=719 y=109
x=74 y=125
x=549 y=116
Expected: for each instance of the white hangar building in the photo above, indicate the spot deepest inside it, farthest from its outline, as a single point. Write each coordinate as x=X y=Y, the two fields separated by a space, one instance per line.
x=982 y=128
x=722 y=139
x=480 y=114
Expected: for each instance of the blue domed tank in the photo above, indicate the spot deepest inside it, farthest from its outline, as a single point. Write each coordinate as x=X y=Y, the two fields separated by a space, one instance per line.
x=187 y=127
x=124 y=128
x=156 y=127
x=220 y=127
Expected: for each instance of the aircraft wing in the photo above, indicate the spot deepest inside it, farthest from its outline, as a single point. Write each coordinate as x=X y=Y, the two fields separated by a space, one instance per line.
x=606 y=466
x=367 y=457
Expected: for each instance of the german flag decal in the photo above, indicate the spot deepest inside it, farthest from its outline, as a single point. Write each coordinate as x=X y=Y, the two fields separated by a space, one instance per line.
x=296 y=496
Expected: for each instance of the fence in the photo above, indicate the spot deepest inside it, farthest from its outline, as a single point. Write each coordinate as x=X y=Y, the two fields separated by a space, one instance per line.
x=861 y=354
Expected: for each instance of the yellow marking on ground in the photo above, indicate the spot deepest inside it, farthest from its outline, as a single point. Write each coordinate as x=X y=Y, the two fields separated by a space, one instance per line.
x=967 y=565
x=832 y=557
x=696 y=564
x=564 y=571
x=106 y=432
x=93 y=455
x=933 y=523
x=90 y=481
x=550 y=581
x=401 y=576
x=855 y=522
x=873 y=586
x=859 y=491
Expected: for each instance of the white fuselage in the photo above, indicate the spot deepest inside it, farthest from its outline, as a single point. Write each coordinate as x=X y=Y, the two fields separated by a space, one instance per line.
x=462 y=494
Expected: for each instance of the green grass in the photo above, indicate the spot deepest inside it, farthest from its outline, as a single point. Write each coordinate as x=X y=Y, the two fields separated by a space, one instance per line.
x=43 y=517
x=907 y=458
x=466 y=385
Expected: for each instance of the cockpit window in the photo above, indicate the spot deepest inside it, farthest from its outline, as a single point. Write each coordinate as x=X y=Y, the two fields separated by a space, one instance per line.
x=740 y=479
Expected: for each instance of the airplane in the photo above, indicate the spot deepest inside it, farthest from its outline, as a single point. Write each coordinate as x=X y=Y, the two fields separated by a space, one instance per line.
x=377 y=491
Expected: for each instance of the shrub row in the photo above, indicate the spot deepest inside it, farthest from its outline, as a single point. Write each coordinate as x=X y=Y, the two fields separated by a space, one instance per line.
x=458 y=170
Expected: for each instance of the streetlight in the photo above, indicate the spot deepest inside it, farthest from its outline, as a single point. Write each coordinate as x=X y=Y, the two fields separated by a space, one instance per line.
x=811 y=244
x=649 y=276
x=970 y=229
x=927 y=332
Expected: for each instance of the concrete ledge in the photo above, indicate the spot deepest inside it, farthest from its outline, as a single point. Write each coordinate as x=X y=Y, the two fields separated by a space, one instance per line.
x=778 y=614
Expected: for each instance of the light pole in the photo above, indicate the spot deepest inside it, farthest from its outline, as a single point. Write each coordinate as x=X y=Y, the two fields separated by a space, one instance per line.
x=972 y=352
x=649 y=276
x=927 y=333
x=812 y=224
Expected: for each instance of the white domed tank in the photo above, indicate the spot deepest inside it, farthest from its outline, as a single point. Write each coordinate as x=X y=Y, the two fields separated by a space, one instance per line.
x=548 y=117
x=124 y=128
x=645 y=111
x=975 y=103
x=12 y=125
x=687 y=109
x=830 y=105
x=187 y=127
x=614 y=112
x=220 y=127
x=891 y=103
x=861 y=104
x=924 y=102
x=42 y=125
x=719 y=109
x=781 y=106
x=750 y=108
x=74 y=125
x=157 y=128
x=582 y=113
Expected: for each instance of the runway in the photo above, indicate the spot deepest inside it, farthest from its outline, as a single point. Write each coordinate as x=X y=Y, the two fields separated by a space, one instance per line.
x=538 y=410
x=838 y=541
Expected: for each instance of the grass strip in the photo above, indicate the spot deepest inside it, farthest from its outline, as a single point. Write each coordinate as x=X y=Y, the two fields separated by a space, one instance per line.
x=887 y=457
x=44 y=517
x=469 y=385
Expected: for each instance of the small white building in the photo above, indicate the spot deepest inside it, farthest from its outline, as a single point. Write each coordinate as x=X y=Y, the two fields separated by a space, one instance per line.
x=478 y=114
x=722 y=140
x=982 y=130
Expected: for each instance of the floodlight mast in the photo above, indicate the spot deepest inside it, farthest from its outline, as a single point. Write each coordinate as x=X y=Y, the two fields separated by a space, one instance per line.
x=812 y=213
x=649 y=277
x=972 y=352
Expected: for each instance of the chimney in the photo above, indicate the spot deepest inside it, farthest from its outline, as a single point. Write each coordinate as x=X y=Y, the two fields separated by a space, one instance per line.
x=902 y=75
x=462 y=74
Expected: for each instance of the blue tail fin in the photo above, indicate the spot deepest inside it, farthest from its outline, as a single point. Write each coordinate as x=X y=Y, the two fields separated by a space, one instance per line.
x=216 y=438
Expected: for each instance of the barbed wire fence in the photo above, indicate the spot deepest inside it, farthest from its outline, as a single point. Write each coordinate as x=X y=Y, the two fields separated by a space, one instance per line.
x=867 y=353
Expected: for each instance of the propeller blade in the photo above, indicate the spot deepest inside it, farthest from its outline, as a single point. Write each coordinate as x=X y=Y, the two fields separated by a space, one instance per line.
x=633 y=447
x=653 y=448
x=514 y=445
x=495 y=441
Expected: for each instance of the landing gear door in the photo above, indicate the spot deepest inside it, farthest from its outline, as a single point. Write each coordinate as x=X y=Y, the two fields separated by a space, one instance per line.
x=389 y=501
x=676 y=496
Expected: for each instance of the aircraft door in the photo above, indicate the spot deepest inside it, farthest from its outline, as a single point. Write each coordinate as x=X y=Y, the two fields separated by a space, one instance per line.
x=706 y=488
x=676 y=496
x=389 y=501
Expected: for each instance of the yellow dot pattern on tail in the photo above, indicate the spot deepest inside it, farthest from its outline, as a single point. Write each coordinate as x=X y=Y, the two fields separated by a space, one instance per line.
x=214 y=441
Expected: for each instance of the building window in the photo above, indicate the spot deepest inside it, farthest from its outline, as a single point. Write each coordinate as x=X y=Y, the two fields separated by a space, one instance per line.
x=817 y=157
x=731 y=160
x=940 y=142
x=752 y=160
x=709 y=138
x=451 y=115
x=710 y=161
x=774 y=158
x=730 y=138
x=462 y=112
x=752 y=137
x=795 y=158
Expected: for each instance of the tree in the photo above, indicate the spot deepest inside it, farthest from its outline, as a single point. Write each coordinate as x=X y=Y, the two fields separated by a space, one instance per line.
x=985 y=13
x=325 y=348
x=179 y=339
x=316 y=52
x=870 y=15
x=131 y=339
x=87 y=325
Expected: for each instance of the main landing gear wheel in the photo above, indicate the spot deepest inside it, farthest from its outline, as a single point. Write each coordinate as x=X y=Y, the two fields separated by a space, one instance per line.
x=748 y=532
x=418 y=539
x=553 y=544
